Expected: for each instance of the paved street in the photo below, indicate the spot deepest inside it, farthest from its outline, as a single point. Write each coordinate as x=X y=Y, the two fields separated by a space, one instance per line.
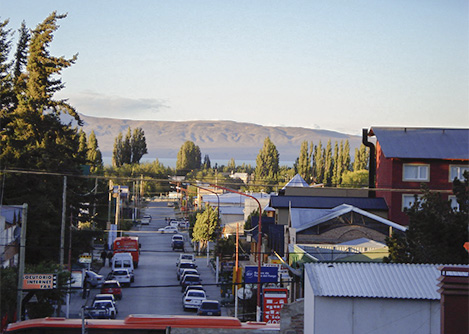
x=156 y=289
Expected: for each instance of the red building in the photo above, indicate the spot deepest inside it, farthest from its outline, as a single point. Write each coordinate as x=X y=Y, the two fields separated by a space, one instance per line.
x=406 y=158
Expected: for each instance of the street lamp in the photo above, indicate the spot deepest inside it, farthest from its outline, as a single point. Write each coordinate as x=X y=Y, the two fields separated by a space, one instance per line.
x=259 y=242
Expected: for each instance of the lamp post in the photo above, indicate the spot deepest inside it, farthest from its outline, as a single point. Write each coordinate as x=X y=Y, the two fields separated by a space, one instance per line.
x=259 y=243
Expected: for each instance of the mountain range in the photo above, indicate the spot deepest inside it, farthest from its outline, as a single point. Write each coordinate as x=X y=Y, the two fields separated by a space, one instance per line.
x=220 y=140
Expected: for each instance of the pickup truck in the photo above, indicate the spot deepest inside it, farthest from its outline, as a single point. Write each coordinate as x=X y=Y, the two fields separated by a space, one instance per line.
x=101 y=309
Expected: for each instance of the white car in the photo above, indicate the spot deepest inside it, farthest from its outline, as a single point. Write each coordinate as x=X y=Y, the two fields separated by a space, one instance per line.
x=145 y=221
x=168 y=229
x=122 y=276
x=189 y=271
x=193 y=299
x=185 y=258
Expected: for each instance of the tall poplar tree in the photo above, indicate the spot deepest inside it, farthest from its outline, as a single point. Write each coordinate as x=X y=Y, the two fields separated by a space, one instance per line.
x=188 y=158
x=318 y=164
x=267 y=162
x=117 y=159
x=328 y=164
x=304 y=162
x=337 y=165
x=138 y=145
x=94 y=155
x=126 y=150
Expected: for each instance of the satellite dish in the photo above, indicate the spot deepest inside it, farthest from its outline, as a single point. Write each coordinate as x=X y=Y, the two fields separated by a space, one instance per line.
x=244 y=293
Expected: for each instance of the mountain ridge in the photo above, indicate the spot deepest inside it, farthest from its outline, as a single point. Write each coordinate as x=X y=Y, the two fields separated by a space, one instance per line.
x=219 y=139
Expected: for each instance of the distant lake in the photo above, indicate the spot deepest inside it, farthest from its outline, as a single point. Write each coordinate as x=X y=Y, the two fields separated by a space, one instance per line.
x=171 y=162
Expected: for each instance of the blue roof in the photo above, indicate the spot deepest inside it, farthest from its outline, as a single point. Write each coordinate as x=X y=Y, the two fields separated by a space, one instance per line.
x=297 y=181
x=423 y=143
x=323 y=202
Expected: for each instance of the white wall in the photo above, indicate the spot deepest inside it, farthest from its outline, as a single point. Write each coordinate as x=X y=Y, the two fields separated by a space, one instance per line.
x=375 y=316
x=330 y=315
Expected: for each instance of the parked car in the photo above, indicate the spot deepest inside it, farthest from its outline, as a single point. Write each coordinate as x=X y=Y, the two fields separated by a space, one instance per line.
x=147 y=217
x=190 y=280
x=170 y=204
x=209 y=307
x=193 y=287
x=99 y=307
x=184 y=265
x=168 y=229
x=107 y=297
x=193 y=299
x=189 y=271
x=145 y=221
x=121 y=275
x=112 y=287
x=188 y=257
x=93 y=279
x=174 y=223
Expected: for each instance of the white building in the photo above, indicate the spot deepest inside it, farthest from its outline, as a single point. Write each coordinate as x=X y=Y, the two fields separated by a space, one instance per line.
x=372 y=298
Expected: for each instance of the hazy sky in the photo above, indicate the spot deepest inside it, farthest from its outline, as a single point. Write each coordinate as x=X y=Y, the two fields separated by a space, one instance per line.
x=337 y=65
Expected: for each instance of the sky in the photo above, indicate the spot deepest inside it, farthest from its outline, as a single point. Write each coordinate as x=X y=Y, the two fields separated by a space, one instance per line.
x=325 y=64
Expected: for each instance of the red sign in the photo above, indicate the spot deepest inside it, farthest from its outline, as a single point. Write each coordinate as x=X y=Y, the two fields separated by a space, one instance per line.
x=274 y=299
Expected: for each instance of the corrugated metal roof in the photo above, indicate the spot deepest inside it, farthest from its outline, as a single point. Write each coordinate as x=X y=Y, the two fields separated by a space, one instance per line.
x=374 y=280
x=423 y=143
x=323 y=202
x=338 y=211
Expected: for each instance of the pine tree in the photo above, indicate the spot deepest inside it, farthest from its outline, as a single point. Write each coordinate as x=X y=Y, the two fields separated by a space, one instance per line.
x=267 y=162
x=206 y=164
x=304 y=167
x=6 y=82
x=94 y=155
x=82 y=144
x=138 y=145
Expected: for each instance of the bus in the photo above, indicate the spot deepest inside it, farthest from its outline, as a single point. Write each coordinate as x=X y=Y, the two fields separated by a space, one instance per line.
x=127 y=245
x=142 y=324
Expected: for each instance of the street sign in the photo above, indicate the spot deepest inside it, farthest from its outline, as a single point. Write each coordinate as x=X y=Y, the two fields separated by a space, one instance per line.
x=39 y=281
x=274 y=299
x=268 y=274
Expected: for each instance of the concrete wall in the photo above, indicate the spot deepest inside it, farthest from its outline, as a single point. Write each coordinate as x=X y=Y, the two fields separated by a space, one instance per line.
x=374 y=316
x=292 y=318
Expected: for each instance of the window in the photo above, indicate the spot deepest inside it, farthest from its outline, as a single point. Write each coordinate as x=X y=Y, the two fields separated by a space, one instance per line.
x=414 y=172
x=409 y=200
x=457 y=171
x=454 y=203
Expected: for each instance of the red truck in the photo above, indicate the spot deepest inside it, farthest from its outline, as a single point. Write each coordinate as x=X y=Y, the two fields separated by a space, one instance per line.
x=128 y=245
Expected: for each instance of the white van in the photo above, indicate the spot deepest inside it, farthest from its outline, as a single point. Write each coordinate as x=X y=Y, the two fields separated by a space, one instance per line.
x=123 y=261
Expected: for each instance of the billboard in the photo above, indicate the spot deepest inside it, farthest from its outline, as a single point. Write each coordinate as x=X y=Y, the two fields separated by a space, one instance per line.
x=39 y=281
x=274 y=299
x=268 y=274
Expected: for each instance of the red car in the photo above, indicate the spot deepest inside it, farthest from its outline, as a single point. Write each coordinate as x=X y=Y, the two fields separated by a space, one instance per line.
x=112 y=287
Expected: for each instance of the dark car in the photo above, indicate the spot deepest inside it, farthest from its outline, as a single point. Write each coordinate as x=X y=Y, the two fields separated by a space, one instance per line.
x=209 y=307
x=190 y=280
x=178 y=244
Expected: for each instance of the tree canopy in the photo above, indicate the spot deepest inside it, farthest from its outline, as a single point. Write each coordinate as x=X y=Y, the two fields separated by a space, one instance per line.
x=188 y=157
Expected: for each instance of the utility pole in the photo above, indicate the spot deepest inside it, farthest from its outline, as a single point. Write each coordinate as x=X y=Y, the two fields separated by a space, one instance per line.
x=19 y=294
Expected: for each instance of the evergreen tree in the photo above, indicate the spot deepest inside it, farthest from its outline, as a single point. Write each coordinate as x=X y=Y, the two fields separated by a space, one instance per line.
x=21 y=59
x=207 y=164
x=346 y=156
x=94 y=155
x=82 y=144
x=6 y=82
x=328 y=164
x=437 y=232
x=318 y=164
x=188 y=158
x=35 y=138
x=267 y=162
x=304 y=167
x=138 y=145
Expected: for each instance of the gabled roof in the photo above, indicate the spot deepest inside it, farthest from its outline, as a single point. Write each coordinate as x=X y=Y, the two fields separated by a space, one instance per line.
x=296 y=181
x=374 y=280
x=337 y=212
x=324 y=202
x=423 y=143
